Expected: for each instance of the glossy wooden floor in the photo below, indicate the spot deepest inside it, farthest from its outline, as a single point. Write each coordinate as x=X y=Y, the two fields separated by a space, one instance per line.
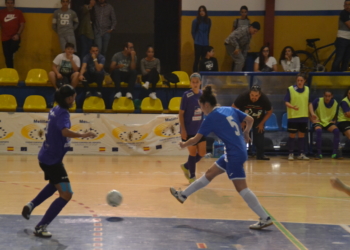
x=296 y=191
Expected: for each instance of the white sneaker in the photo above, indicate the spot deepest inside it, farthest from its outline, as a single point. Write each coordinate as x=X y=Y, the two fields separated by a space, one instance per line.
x=153 y=95
x=118 y=95
x=145 y=85
x=291 y=157
x=129 y=95
x=42 y=232
x=177 y=195
x=303 y=157
x=261 y=224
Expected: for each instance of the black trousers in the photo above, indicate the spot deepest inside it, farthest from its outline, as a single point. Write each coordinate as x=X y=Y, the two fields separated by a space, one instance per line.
x=122 y=76
x=199 y=53
x=9 y=47
x=152 y=77
x=92 y=77
x=258 y=141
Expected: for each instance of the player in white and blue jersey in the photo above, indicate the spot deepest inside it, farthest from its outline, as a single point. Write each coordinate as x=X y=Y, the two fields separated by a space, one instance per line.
x=225 y=123
x=55 y=146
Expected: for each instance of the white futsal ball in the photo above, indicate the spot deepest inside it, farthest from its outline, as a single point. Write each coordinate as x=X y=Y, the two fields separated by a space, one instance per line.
x=114 y=198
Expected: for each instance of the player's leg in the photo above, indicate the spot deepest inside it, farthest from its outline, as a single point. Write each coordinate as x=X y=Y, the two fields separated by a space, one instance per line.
x=336 y=139
x=302 y=129
x=318 y=131
x=190 y=166
x=292 y=130
x=338 y=184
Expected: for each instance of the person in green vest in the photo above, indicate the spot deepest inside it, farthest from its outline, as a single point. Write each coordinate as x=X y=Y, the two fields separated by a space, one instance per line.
x=325 y=109
x=344 y=114
x=297 y=101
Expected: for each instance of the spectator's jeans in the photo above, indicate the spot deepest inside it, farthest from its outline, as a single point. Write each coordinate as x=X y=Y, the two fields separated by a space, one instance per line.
x=342 y=55
x=199 y=53
x=239 y=59
x=152 y=77
x=258 y=141
x=85 y=46
x=9 y=47
x=91 y=77
x=127 y=77
x=102 y=42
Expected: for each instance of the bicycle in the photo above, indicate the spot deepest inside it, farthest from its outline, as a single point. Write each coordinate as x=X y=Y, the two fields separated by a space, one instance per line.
x=310 y=61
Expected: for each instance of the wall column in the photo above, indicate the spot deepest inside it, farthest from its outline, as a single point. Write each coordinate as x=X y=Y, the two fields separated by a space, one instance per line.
x=269 y=27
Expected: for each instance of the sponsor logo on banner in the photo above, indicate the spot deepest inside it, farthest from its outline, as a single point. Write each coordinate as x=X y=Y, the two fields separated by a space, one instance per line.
x=128 y=134
x=10 y=149
x=159 y=147
x=146 y=148
x=34 y=132
x=167 y=129
x=4 y=135
x=102 y=149
x=114 y=149
x=85 y=127
x=24 y=149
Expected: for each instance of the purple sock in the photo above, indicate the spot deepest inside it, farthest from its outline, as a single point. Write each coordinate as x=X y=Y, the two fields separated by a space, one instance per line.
x=301 y=145
x=198 y=158
x=191 y=165
x=319 y=140
x=45 y=193
x=336 y=141
x=291 y=145
x=53 y=211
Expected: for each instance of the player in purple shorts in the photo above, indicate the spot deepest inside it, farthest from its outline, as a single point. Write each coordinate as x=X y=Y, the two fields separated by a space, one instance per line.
x=55 y=146
x=225 y=123
x=191 y=117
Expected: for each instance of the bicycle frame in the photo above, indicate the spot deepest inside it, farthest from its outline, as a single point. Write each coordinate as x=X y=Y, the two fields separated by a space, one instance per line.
x=316 y=53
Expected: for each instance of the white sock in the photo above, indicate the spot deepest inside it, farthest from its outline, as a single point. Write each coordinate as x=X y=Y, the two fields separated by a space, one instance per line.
x=196 y=185
x=250 y=198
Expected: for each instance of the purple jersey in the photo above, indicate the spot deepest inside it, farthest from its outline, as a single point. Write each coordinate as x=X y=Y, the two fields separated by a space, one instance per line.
x=193 y=115
x=55 y=145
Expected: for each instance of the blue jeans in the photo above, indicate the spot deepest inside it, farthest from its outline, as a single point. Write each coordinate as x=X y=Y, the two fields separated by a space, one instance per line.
x=342 y=55
x=102 y=42
x=85 y=46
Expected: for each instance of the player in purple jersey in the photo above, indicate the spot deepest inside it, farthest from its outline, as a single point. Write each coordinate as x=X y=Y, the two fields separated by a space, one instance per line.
x=191 y=117
x=225 y=123
x=55 y=146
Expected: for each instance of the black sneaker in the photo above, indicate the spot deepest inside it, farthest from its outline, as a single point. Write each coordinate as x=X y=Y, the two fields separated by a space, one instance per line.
x=88 y=94
x=41 y=231
x=27 y=210
x=264 y=158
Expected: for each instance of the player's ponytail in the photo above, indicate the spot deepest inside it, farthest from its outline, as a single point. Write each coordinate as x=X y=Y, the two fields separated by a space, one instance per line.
x=208 y=96
x=62 y=93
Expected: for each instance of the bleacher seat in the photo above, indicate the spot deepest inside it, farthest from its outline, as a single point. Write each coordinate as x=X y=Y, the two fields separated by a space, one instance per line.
x=34 y=103
x=8 y=77
x=149 y=105
x=37 y=77
x=8 y=103
x=174 y=105
x=271 y=123
x=123 y=105
x=72 y=109
x=184 y=79
x=94 y=104
x=284 y=121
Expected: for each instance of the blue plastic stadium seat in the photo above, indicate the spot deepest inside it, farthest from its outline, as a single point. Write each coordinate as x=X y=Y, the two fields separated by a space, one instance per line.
x=284 y=121
x=271 y=124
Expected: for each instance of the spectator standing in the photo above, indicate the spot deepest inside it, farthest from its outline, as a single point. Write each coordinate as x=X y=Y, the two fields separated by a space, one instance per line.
x=85 y=30
x=264 y=62
x=123 y=69
x=104 y=24
x=12 y=25
x=150 y=69
x=289 y=60
x=237 y=44
x=243 y=20
x=64 y=22
x=200 y=34
x=209 y=62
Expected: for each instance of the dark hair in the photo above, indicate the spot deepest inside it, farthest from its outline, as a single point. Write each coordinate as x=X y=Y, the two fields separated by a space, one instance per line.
x=262 y=58
x=303 y=75
x=244 y=8
x=150 y=46
x=208 y=49
x=8 y=0
x=255 y=88
x=205 y=19
x=347 y=90
x=94 y=45
x=328 y=90
x=69 y=45
x=126 y=45
x=208 y=96
x=62 y=93
x=283 y=53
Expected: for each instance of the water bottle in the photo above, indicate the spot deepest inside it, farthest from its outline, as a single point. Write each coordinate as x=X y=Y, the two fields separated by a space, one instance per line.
x=218 y=148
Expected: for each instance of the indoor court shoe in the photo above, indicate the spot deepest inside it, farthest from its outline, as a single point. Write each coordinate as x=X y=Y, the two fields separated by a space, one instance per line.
x=145 y=85
x=261 y=224
x=27 y=210
x=129 y=95
x=318 y=157
x=291 y=157
x=337 y=156
x=99 y=94
x=118 y=95
x=303 y=157
x=177 y=195
x=42 y=232
x=186 y=172
x=193 y=179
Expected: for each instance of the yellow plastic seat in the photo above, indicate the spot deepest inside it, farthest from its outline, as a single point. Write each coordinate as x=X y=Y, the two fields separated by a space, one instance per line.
x=34 y=103
x=123 y=105
x=72 y=109
x=8 y=77
x=148 y=105
x=174 y=105
x=37 y=77
x=184 y=79
x=94 y=104
x=8 y=103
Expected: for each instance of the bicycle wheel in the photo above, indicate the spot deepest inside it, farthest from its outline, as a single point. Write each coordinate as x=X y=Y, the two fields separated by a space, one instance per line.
x=307 y=61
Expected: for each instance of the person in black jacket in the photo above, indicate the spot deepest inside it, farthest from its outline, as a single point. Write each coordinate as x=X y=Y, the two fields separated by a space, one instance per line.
x=209 y=62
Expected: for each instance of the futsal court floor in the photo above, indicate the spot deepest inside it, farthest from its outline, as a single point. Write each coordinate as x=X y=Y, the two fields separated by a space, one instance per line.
x=307 y=212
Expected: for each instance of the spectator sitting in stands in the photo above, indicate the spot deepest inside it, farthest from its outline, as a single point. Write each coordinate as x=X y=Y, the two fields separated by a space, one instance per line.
x=289 y=60
x=209 y=62
x=65 y=68
x=123 y=69
x=92 y=70
x=150 y=68
x=344 y=114
x=64 y=22
x=264 y=62
x=243 y=20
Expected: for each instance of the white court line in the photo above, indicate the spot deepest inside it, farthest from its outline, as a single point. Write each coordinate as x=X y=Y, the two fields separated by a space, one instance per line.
x=345 y=227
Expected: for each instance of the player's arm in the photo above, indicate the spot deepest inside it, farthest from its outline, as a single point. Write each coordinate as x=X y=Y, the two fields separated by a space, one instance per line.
x=313 y=116
x=191 y=141
x=249 y=123
x=182 y=124
x=70 y=134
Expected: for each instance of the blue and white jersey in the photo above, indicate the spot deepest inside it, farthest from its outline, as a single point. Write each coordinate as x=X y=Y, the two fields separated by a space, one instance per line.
x=225 y=122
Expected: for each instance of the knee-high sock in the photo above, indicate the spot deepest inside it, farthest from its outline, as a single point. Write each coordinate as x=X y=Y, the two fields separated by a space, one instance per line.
x=191 y=165
x=301 y=144
x=53 y=211
x=196 y=185
x=319 y=140
x=250 y=198
x=291 y=145
x=336 y=141
x=45 y=193
x=198 y=158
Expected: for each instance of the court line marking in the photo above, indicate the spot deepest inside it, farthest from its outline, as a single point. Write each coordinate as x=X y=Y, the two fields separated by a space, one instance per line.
x=287 y=233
